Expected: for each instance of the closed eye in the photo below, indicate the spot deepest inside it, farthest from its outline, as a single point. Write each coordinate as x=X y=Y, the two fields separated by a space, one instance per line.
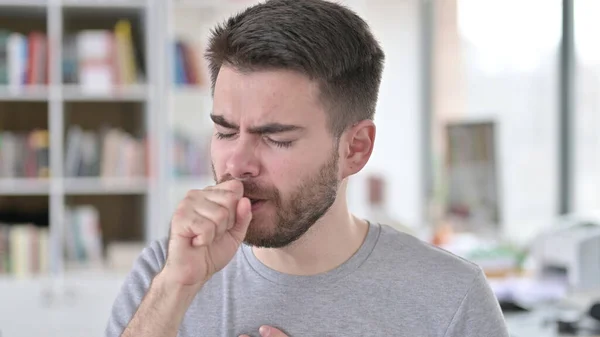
x=221 y=135
x=284 y=144
x=281 y=144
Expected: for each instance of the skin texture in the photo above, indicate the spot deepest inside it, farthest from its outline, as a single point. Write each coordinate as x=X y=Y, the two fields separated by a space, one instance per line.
x=267 y=139
x=269 y=331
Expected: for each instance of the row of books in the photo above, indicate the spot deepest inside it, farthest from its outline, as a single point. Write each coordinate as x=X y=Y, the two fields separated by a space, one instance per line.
x=110 y=152
x=23 y=58
x=187 y=65
x=24 y=155
x=101 y=59
x=24 y=249
x=107 y=153
x=96 y=59
x=190 y=156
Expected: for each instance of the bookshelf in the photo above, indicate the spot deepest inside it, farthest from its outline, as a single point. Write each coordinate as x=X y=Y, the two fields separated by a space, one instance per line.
x=24 y=186
x=86 y=101
x=21 y=4
x=130 y=93
x=29 y=94
x=101 y=180
x=106 y=4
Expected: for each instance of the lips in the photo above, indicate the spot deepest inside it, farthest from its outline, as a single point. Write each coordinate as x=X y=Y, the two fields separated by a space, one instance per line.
x=254 y=200
x=256 y=203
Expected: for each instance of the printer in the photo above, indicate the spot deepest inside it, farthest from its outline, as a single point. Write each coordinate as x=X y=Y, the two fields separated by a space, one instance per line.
x=570 y=252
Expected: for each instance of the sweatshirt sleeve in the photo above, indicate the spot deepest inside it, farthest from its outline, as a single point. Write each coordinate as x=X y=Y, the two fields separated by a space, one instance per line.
x=136 y=284
x=479 y=313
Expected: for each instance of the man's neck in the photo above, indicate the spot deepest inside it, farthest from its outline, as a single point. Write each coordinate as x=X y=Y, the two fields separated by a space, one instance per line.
x=331 y=241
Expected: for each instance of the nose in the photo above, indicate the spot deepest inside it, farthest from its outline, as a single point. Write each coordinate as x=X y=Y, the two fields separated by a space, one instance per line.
x=243 y=163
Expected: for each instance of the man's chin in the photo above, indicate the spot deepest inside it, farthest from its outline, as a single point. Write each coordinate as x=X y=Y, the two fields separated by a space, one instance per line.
x=259 y=232
x=268 y=240
x=262 y=237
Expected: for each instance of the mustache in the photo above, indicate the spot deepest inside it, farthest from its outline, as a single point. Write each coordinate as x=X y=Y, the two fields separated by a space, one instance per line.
x=254 y=190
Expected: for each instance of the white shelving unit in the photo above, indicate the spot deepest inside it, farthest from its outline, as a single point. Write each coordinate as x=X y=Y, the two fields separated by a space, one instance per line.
x=75 y=301
x=25 y=186
x=102 y=186
x=31 y=94
x=23 y=3
x=112 y=4
x=59 y=97
x=133 y=93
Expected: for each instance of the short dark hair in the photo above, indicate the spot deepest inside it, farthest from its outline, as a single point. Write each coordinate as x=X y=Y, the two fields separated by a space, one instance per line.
x=323 y=40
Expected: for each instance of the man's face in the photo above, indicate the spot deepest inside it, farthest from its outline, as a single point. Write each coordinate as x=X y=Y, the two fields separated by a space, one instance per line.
x=271 y=132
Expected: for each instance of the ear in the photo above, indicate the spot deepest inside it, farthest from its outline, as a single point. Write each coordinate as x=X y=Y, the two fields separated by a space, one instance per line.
x=356 y=147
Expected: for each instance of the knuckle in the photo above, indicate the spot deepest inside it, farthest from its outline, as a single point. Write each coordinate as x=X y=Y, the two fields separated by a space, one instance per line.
x=222 y=215
x=179 y=214
x=203 y=229
x=198 y=223
x=192 y=194
x=231 y=197
x=222 y=191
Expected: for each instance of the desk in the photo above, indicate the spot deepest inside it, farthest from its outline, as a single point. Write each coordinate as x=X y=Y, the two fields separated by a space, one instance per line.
x=24 y=313
x=540 y=322
x=534 y=324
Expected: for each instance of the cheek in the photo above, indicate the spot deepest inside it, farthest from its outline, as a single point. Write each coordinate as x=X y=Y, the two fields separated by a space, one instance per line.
x=280 y=170
x=287 y=172
x=218 y=157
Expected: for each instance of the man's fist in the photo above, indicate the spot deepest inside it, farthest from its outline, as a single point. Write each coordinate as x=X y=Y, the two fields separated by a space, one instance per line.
x=206 y=231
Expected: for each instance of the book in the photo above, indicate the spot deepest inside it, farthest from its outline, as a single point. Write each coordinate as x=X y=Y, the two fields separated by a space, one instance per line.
x=83 y=235
x=187 y=65
x=24 y=154
x=95 y=60
x=4 y=34
x=23 y=59
x=69 y=60
x=125 y=54
x=24 y=249
x=100 y=60
x=111 y=152
x=37 y=61
x=190 y=155
x=17 y=60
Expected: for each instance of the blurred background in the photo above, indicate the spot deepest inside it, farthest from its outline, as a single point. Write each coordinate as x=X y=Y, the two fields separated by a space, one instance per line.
x=488 y=146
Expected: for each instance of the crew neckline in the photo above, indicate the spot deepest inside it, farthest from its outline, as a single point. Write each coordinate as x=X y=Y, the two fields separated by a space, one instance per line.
x=346 y=268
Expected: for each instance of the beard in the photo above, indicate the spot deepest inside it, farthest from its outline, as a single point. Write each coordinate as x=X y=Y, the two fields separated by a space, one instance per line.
x=295 y=214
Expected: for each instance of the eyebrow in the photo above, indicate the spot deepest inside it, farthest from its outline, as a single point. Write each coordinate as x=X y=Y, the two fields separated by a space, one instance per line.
x=269 y=128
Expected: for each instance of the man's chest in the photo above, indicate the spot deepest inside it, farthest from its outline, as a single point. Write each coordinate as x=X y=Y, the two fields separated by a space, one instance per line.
x=302 y=314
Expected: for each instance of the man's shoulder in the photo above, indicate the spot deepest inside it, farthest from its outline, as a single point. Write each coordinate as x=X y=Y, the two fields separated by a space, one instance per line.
x=421 y=263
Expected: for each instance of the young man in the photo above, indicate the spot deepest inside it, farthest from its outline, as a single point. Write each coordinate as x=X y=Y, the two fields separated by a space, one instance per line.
x=272 y=249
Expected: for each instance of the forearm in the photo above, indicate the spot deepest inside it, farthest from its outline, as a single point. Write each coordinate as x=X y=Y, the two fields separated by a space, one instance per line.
x=161 y=311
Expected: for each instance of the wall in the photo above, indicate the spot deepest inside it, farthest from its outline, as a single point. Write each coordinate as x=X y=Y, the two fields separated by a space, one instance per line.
x=506 y=74
x=396 y=24
x=586 y=159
